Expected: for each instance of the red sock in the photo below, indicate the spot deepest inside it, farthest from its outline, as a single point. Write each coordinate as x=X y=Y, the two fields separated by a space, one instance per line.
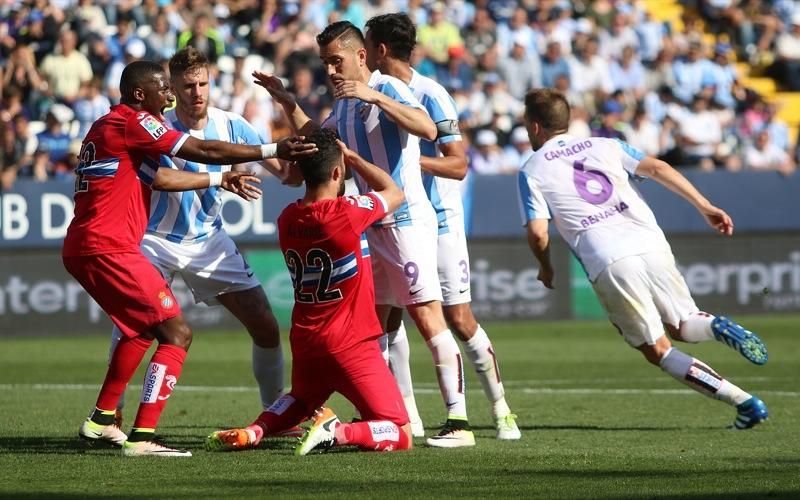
x=126 y=358
x=283 y=414
x=159 y=380
x=377 y=435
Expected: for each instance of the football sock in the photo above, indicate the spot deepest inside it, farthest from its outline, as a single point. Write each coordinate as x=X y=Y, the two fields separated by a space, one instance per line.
x=141 y=434
x=124 y=361
x=399 y=358
x=159 y=380
x=116 y=335
x=102 y=417
x=284 y=413
x=449 y=372
x=377 y=435
x=697 y=327
x=480 y=352
x=701 y=377
x=268 y=371
x=383 y=344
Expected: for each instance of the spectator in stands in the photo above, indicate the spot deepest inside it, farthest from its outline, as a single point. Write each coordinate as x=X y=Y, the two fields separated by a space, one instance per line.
x=643 y=134
x=763 y=155
x=651 y=34
x=21 y=75
x=52 y=150
x=553 y=65
x=517 y=30
x=627 y=74
x=723 y=76
x=458 y=74
x=619 y=36
x=661 y=72
x=91 y=105
x=520 y=70
x=486 y=157
x=777 y=128
x=349 y=10
x=787 y=65
x=66 y=70
x=700 y=135
x=204 y=37
x=518 y=149
x=438 y=36
x=479 y=36
x=593 y=76
x=609 y=123
x=40 y=33
x=691 y=73
x=124 y=34
x=163 y=40
x=89 y=18
x=311 y=98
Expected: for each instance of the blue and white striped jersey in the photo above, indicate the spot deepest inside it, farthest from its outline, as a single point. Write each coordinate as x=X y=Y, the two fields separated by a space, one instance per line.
x=444 y=194
x=366 y=129
x=192 y=216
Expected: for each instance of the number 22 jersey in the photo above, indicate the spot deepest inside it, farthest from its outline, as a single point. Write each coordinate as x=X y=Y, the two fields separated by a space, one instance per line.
x=332 y=276
x=585 y=186
x=112 y=189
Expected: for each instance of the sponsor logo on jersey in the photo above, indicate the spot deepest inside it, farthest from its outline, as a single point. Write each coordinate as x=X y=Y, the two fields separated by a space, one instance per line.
x=605 y=214
x=171 y=381
x=166 y=300
x=154 y=127
x=153 y=379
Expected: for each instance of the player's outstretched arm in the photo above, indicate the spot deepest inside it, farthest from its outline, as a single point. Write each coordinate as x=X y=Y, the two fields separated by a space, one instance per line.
x=539 y=241
x=414 y=120
x=301 y=123
x=221 y=152
x=378 y=180
x=240 y=183
x=453 y=165
x=673 y=180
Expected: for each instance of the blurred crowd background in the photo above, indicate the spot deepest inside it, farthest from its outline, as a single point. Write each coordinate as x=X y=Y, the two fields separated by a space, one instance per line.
x=679 y=89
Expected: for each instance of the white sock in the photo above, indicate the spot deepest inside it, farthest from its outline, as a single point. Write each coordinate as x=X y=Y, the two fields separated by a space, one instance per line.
x=116 y=336
x=399 y=357
x=697 y=327
x=383 y=344
x=268 y=371
x=449 y=372
x=480 y=352
x=701 y=377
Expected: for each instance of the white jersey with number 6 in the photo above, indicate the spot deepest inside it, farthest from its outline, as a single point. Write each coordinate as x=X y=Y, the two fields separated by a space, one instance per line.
x=586 y=187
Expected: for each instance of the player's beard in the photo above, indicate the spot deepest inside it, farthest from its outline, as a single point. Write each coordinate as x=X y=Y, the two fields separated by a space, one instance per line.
x=198 y=113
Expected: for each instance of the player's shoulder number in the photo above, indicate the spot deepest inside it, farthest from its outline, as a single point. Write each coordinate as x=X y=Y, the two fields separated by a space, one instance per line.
x=86 y=157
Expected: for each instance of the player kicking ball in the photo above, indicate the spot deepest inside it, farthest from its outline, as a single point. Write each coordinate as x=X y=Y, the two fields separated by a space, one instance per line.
x=334 y=324
x=584 y=185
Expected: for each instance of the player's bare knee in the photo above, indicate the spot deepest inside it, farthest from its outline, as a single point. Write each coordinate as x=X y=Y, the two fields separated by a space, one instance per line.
x=428 y=317
x=653 y=353
x=265 y=332
x=460 y=320
x=174 y=331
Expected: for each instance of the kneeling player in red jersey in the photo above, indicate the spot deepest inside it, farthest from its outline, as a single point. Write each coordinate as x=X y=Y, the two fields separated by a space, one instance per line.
x=334 y=326
x=118 y=168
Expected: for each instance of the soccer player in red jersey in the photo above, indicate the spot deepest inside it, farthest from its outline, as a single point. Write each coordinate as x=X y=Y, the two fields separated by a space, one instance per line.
x=118 y=168
x=334 y=325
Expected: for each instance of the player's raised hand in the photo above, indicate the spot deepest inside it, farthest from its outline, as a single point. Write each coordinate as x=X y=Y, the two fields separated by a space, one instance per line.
x=546 y=275
x=350 y=156
x=718 y=219
x=274 y=86
x=355 y=89
x=241 y=184
x=293 y=148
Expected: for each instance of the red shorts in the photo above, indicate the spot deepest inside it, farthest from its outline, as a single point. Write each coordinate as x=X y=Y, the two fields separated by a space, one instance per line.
x=128 y=288
x=360 y=374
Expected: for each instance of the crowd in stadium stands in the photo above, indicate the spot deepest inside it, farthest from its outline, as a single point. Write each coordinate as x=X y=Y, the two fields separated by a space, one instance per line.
x=626 y=75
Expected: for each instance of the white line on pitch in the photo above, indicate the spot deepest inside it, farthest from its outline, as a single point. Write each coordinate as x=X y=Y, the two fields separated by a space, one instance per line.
x=418 y=390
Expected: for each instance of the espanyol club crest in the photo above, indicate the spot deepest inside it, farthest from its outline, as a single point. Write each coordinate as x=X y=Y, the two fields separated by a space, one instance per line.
x=166 y=301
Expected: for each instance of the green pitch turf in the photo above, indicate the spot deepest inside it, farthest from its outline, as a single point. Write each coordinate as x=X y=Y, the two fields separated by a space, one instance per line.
x=597 y=422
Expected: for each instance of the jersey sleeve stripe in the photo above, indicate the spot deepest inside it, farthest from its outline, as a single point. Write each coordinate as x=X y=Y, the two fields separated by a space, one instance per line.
x=381 y=199
x=526 y=199
x=179 y=144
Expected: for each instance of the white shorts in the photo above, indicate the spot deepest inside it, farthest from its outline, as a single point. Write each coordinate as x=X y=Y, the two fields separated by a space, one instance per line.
x=210 y=268
x=642 y=293
x=453 y=260
x=404 y=264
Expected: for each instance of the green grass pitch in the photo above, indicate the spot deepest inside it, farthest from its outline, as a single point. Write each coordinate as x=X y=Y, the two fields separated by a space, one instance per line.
x=597 y=422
